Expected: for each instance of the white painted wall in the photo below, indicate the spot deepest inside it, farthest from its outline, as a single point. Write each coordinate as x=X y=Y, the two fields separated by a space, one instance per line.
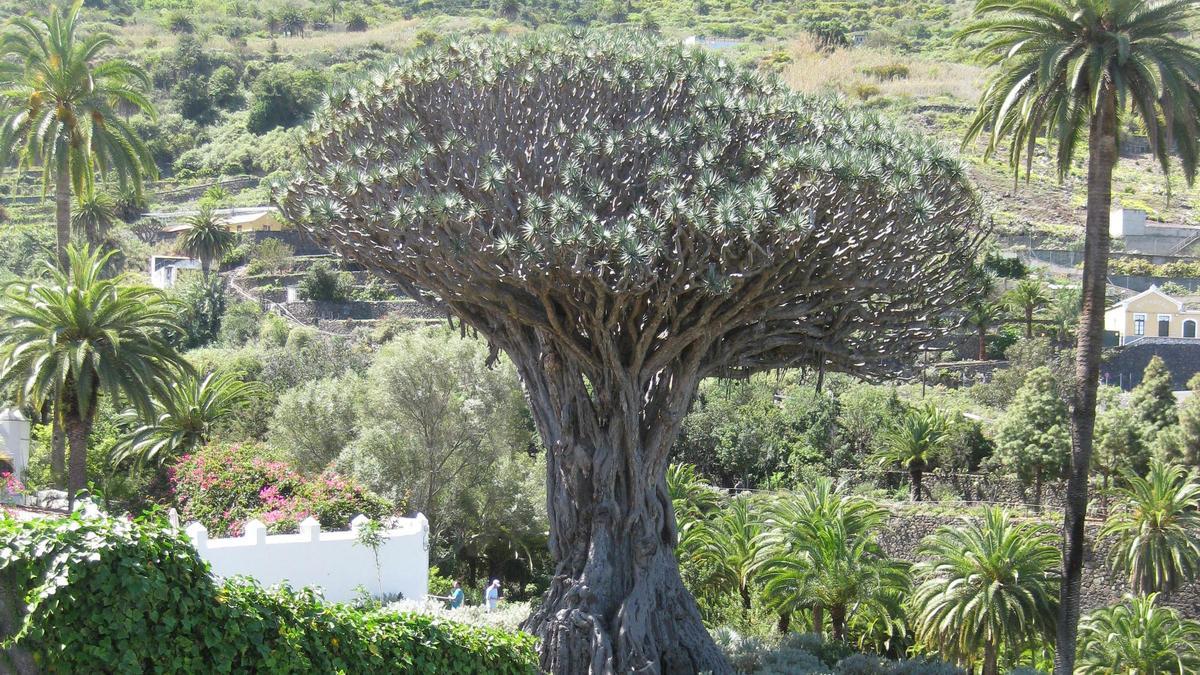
x=14 y=439
x=334 y=561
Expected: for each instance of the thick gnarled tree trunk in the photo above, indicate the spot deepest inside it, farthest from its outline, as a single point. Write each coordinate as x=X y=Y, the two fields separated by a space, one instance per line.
x=616 y=602
x=1089 y=342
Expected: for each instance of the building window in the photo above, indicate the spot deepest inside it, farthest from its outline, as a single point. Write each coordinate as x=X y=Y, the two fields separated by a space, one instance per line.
x=1189 y=328
x=1139 y=324
x=1164 y=325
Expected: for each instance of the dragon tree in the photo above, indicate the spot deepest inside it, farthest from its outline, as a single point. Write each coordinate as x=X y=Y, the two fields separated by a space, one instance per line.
x=623 y=218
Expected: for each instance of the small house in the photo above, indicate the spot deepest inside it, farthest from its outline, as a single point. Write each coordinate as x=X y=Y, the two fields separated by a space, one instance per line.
x=1151 y=313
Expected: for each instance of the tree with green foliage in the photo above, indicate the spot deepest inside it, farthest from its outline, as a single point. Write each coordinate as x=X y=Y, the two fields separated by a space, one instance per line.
x=914 y=444
x=93 y=215
x=207 y=238
x=986 y=587
x=1026 y=298
x=1153 y=399
x=1138 y=636
x=1181 y=444
x=283 y=97
x=1119 y=445
x=1155 y=529
x=200 y=301
x=315 y=422
x=324 y=283
x=1070 y=70
x=60 y=112
x=692 y=498
x=183 y=419
x=983 y=315
x=821 y=554
x=1064 y=314
x=680 y=218
x=729 y=547
x=79 y=334
x=1033 y=441
x=433 y=419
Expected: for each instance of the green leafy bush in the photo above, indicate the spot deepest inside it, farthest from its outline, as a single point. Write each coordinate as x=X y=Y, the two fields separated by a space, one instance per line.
x=222 y=486
x=108 y=595
x=322 y=282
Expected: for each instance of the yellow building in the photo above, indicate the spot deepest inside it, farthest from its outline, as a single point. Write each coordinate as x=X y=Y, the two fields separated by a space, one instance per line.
x=1151 y=313
x=241 y=221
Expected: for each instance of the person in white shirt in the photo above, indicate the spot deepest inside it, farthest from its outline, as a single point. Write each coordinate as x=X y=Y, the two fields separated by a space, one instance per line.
x=492 y=594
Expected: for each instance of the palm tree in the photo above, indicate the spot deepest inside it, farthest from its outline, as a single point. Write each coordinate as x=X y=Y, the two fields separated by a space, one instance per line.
x=914 y=443
x=60 y=110
x=76 y=335
x=982 y=315
x=183 y=419
x=1069 y=70
x=730 y=547
x=1027 y=297
x=985 y=585
x=821 y=554
x=1155 y=529
x=95 y=212
x=207 y=238
x=691 y=497
x=1138 y=636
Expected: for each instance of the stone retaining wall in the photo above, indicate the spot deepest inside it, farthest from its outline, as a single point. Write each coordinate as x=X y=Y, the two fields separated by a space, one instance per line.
x=313 y=312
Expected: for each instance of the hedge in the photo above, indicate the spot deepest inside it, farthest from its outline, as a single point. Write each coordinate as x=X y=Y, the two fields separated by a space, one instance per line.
x=109 y=595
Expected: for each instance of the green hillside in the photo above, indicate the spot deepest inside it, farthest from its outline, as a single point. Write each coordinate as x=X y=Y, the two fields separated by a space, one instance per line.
x=234 y=80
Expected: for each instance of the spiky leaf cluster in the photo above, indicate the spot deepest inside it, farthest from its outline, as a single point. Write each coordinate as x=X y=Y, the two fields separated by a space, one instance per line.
x=604 y=188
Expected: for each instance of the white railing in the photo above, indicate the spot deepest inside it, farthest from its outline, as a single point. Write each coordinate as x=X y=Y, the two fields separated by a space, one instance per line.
x=341 y=563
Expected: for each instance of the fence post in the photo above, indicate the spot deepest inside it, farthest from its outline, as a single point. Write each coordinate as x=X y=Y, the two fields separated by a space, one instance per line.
x=199 y=536
x=310 y=529
x=256 y=532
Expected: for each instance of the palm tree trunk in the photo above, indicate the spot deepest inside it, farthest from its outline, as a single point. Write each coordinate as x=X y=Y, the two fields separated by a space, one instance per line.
x=991 y=665
x=78 y=428
x=1102 y=157
x=58 y=446
x=744 y=592
x=784 y=624
x=983 y=343
x=837 y=621
x=916 y=482
x=818 y=619
x=62 y=213
x=1029 y=322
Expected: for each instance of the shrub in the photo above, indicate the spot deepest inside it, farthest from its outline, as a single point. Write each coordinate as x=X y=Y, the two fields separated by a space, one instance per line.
x=322 y=282
x=864 y=90
x=107 y=595
x=356 y=22
x=223 y=486
x=240 y=324
x=271 y=256
x=887 y=71
x=507 y=616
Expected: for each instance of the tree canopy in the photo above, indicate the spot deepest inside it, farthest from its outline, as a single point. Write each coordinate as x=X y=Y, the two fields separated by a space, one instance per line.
x=619 y=193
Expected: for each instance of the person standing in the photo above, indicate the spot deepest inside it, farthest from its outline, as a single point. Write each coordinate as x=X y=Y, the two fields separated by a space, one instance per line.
x=456 y=596
x=492 y=594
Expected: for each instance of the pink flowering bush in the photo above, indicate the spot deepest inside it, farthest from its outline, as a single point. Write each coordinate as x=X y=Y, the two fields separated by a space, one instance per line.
x=9 y=485
x=223 y=486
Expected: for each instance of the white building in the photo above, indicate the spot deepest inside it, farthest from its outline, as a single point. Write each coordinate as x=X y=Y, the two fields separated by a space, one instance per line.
x=165 y=269
x=14 y=440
